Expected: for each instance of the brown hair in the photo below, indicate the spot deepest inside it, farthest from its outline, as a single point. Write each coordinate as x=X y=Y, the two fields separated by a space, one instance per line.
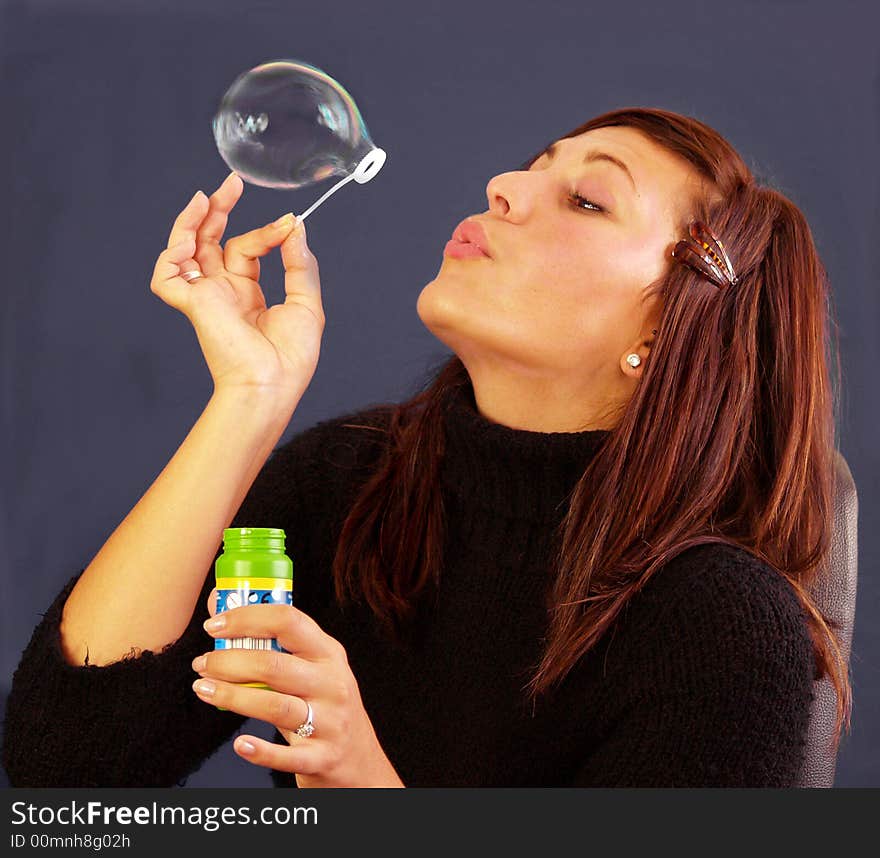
x=740 y=449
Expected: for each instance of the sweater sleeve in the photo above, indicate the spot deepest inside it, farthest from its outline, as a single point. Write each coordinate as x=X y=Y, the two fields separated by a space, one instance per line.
x=137 y=722
x=720 y=693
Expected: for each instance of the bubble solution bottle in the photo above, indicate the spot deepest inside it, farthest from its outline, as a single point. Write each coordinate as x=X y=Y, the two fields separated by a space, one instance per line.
x=252 y=570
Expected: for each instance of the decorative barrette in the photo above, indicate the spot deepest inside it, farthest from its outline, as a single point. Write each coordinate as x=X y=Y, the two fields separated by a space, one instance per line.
x=704 y=252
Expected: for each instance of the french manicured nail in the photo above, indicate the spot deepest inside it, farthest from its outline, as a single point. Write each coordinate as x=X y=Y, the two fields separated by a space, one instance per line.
x=299 y=231
x=199 y=663
x=214 y=624
x=284 y=222
x=204 y=687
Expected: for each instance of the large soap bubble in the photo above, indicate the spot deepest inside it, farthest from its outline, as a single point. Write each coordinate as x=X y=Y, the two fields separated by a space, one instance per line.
x=287 y=124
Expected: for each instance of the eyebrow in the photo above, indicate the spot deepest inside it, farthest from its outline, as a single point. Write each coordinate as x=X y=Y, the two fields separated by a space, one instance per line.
x=550 y=151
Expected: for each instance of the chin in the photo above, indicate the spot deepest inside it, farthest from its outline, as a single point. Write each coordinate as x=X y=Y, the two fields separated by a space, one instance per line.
x=442 y=314
x=434 y=303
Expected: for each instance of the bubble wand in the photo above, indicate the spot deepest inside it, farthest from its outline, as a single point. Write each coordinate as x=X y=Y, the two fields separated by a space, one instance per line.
x=287 y=124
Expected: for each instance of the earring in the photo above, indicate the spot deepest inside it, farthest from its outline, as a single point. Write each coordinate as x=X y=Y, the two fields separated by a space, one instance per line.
x=633 y=360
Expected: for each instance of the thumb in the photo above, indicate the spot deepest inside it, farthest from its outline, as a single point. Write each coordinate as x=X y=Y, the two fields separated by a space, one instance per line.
x=302 y=281
x=212 y=602
x=295 y=249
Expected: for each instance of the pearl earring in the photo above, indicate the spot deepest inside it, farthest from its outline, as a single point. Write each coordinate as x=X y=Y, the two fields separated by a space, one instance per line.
x=633 y=360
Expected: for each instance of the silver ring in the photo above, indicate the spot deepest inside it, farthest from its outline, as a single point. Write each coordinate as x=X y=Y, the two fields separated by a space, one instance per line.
x=307 y=727
x=189 y=276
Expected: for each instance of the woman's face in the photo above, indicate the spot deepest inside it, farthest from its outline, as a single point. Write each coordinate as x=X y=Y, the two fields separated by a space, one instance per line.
x=560 y=300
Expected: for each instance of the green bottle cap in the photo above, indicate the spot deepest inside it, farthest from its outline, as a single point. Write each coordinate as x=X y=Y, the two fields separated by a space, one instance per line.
x=253 y=552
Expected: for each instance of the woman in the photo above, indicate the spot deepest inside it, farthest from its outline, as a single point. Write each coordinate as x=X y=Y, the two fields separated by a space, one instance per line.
x=579 y=557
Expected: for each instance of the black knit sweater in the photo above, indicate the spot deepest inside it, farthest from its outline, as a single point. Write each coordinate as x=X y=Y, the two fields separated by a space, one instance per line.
x=707 y=681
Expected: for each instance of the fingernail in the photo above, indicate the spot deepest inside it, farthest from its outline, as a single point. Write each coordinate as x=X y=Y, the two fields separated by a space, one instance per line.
x=204 y=687
x=214 y=623
x=194 y=198
x=246 y=747
x=285 y=222
x=199 y=663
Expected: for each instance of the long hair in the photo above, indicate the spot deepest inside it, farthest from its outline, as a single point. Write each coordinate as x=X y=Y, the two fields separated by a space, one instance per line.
x=741 y=408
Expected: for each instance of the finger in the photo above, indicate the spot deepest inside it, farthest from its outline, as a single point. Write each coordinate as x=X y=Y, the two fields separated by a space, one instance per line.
x=302 y=277
x=295 y=630
x=166 y=281
x=208 y=251
x=281 y=671
x=242 y=252
x=212 y=602
x=306 y=757
x=190 y=218
x=284 y=711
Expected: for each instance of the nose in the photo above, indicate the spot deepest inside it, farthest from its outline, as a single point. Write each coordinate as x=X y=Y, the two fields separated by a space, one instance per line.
x=509 y=195
x=513 y=193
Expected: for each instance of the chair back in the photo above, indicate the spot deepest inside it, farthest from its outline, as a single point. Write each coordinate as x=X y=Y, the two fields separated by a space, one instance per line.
x=834 y=592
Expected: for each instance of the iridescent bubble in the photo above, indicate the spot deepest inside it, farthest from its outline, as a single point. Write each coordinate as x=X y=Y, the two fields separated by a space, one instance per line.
x=287 y=124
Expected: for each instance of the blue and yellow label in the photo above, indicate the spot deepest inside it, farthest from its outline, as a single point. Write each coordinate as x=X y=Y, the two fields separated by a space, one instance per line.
x=238 y=592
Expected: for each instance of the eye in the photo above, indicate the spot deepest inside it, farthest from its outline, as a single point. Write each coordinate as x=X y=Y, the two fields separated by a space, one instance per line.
x=577 y=200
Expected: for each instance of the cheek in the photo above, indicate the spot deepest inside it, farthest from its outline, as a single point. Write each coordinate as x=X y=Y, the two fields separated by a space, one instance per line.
x=593 y=295
x=641 y=264
x=613 y=270
x=582 y=274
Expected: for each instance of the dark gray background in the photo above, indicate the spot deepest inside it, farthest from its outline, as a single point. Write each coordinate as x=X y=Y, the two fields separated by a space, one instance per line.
x=106 y=134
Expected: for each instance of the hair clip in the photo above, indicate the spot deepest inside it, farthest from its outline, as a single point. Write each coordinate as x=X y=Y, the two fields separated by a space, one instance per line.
x=705 y=254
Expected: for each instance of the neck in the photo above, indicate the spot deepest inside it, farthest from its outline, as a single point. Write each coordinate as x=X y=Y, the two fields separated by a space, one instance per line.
x=539 y=403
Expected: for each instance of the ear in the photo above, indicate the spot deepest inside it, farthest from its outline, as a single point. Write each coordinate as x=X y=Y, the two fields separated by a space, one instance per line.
x=642 y=348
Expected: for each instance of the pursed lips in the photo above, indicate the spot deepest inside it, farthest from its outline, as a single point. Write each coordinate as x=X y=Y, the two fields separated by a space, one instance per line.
x=471 y=232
